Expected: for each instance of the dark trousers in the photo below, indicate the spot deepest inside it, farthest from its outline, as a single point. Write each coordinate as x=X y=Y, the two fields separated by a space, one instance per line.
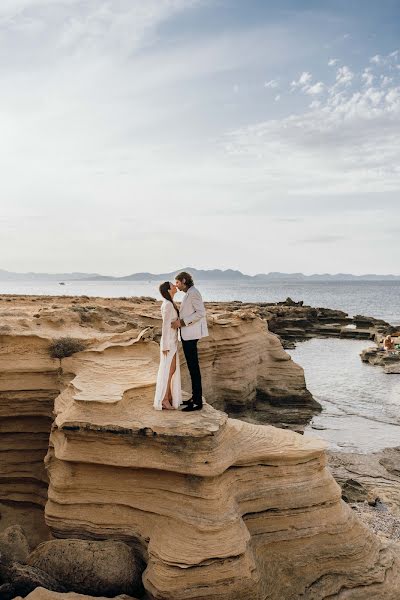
x=192 y=360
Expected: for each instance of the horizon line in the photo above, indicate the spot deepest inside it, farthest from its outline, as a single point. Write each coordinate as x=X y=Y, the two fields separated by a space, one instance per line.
x=203 y=269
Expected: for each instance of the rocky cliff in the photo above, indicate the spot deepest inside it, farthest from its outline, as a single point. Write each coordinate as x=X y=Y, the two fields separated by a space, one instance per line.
x=215 y=507
x=245 y=372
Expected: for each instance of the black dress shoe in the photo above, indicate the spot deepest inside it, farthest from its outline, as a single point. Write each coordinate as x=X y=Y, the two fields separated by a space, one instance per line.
x=191 y=407
x=187 y=402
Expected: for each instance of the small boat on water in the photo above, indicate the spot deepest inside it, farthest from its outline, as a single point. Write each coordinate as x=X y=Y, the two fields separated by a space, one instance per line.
x=61 y=283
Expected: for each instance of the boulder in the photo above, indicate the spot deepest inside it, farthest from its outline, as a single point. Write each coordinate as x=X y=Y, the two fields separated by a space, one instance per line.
x=354 y=491
x=22 y=579
x=90 y=567
x=14 y=546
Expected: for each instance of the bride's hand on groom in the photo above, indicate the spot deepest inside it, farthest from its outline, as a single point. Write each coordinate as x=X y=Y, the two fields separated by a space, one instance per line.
x=165 y=352
x=176 y=324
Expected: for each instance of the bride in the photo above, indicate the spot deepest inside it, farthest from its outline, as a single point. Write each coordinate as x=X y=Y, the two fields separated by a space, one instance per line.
x=168 y=389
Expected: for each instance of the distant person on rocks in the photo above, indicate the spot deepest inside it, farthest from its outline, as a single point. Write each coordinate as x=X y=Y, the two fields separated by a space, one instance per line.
x=168 y=394
x=192 y=323
x=388 y=344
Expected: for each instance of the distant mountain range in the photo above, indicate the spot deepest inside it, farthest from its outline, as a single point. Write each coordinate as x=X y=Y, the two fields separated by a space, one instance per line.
x=198 y=274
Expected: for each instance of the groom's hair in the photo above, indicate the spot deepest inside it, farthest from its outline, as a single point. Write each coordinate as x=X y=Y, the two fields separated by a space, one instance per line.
x=186 y=278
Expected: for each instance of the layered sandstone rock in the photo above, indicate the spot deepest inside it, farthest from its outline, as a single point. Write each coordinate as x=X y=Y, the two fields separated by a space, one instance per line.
x=43 y=594
x=245 y=369
x=372 y=476
x=294 y=321
x=28 y=387
x=247 y=373
x=216 y=507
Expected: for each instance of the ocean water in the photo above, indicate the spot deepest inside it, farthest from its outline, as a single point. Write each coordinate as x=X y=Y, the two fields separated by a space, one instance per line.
x=377 y=299
x=361 y=404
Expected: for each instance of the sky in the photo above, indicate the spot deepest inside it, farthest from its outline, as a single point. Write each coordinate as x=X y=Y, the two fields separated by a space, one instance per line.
x=147 y=136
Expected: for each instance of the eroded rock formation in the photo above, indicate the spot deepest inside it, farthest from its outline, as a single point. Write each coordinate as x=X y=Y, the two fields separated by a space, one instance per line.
x=216 y=507
x=247 y=373
x=372 y=476
x=294 y=321
x=28 y=387
x=43 y=594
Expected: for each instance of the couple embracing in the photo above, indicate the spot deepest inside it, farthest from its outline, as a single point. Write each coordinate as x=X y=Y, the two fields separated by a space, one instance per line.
x=187 y=324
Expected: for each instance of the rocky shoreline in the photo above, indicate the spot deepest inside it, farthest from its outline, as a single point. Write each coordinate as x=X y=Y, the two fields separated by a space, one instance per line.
x=195 y=505
x=294 y=322
x=390 y=361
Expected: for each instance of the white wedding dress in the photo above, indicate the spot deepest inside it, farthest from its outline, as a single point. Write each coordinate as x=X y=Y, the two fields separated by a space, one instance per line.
x=169 y=341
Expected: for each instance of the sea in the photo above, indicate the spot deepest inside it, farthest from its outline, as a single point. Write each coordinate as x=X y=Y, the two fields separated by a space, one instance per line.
x=380 y=299
x=361 y=404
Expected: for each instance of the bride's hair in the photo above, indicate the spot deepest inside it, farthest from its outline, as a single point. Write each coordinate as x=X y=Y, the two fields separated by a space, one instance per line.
x=164 y=291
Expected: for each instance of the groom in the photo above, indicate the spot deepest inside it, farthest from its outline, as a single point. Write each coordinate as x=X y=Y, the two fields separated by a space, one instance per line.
x=193 y=324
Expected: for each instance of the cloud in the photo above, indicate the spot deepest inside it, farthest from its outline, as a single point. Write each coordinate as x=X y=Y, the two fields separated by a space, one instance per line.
x=157 y=110
x=302 y=81
x=315 y=89
x=377 y=59
x=272 y=83
x=344 y=76
x=387 y=60
x=288 y=219
x=385 y=80
x=304 y=84
x=321 y=239
x=345 y=143
x=367 y=77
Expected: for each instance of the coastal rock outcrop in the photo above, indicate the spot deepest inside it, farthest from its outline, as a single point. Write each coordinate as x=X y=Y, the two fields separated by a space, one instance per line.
x=390 y=361
x=295 y=321
x=28 y=387
x=374 y=475
x=215 y=507
x=247 y=373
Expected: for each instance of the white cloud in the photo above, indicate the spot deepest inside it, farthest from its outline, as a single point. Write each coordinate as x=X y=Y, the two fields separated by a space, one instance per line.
x=272 y=83
x=367 y=77
x=388 y=60
x=315 y=89
x=376 y=60
x=385 y=80
x=112 y=118
x=345 y=144
x=303 y=80
x=344 y=76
